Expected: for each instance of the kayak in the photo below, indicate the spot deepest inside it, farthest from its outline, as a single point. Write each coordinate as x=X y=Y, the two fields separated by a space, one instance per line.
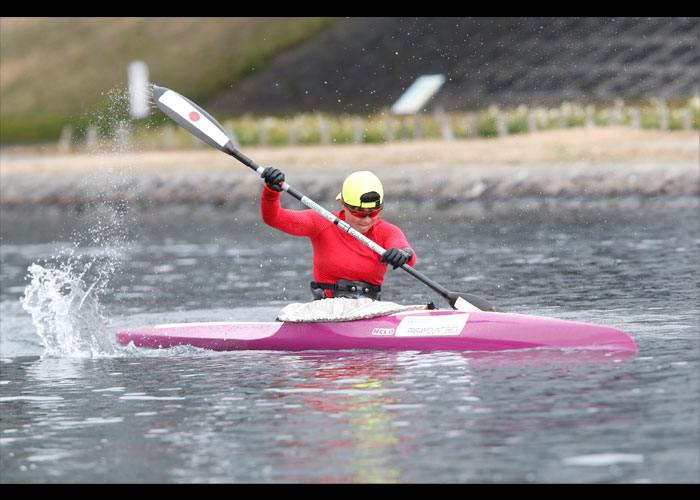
x=419 y=330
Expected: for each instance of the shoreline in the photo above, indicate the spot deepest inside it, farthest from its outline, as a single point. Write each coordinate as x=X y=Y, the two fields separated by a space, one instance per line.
x=603 y=162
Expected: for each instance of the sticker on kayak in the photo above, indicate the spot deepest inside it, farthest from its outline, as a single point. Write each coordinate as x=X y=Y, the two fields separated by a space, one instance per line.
x=430 y=326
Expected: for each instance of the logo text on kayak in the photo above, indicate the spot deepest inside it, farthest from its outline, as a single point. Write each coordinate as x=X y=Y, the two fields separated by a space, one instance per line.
x=383 y=331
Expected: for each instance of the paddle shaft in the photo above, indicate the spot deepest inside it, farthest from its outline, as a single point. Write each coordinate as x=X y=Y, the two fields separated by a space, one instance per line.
x=200 y=123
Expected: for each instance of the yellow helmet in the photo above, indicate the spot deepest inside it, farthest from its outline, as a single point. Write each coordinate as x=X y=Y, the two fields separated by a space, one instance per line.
x=362 y=189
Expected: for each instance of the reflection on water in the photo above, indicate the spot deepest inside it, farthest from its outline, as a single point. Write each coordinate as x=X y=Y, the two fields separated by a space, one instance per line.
x=358 y=394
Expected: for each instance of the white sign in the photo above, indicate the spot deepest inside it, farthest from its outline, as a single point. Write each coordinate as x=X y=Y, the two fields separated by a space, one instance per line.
x=138 y=89
x=418 y=94
x=431 y=326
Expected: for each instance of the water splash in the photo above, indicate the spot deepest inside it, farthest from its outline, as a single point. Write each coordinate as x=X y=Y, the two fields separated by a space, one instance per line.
x=63 y=296
x=66 y=313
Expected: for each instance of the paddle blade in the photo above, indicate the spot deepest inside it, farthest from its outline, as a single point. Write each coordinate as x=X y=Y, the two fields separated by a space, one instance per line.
x=192 y=118
x=468 y=302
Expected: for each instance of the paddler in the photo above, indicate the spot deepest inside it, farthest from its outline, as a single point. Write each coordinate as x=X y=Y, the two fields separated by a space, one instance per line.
x=343 y=266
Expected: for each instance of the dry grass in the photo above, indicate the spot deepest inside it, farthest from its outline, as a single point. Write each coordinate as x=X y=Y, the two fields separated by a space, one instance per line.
x=555 y=147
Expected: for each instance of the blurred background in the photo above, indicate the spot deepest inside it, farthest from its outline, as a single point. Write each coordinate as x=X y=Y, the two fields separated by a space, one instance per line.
x=315 y=80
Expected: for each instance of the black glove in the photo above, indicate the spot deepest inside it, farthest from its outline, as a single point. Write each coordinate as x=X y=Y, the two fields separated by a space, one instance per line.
x=273 y=178
x=396 y=257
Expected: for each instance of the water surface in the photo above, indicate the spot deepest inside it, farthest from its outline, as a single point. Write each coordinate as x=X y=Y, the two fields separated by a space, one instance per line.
x=75 y=409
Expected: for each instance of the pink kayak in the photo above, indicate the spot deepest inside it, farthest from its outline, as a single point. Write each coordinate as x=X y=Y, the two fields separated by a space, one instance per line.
x=419 y=330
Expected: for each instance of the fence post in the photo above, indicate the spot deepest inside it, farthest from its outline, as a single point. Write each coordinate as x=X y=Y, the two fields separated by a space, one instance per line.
x=445 y=126
x=388 y=128
x=636 y=117
x=262 y=132
x=501 y=126
x=561 y=115
x=611 y=116
x=417 y=126
x=590 y=116
x=687 y=119
x=122 y=135
x=168 y=139
x=472 y=130
x=617 y=112
x=357 y=130
x=64 y=143
x=663 y=115
x=531 y=120
x=324 y=130
x=232 y=134
x=293 y=135
x=91 y=139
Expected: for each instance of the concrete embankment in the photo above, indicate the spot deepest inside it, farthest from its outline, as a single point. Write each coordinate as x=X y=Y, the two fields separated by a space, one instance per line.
x=598 y=163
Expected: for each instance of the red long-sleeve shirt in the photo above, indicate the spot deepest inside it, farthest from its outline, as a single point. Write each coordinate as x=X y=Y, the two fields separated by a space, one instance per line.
x=337 y=255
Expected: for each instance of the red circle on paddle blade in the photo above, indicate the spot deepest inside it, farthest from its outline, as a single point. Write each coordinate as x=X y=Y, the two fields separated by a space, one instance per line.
x=194 y=116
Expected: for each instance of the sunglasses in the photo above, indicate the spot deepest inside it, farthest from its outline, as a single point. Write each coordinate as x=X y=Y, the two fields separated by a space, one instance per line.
x=362 y=214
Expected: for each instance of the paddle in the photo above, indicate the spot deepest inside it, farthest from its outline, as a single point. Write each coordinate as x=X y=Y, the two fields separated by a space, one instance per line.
x=200 y=123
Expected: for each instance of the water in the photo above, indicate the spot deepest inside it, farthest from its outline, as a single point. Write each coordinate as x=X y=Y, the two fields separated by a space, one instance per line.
x=76 y=408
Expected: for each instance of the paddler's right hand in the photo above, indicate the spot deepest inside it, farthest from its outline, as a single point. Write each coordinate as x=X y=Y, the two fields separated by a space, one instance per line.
x=396 y=257
x=273 y=177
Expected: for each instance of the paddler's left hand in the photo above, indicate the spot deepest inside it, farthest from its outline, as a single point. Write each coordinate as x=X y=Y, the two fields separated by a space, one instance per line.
x=396 y=257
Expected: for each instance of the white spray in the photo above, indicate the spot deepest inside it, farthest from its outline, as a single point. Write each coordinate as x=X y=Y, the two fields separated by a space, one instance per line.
x=66 y=313
x=63 y=296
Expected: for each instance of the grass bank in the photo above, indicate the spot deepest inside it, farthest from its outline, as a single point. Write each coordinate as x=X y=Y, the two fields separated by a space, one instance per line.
x=55 y=71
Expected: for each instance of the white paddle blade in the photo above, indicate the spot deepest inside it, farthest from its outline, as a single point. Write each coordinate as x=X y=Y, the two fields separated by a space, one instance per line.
x=191 y=117
x=462 y=305
x=468 y=302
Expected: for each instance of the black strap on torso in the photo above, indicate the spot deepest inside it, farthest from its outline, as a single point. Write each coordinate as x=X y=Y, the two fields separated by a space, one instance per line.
x=346 y=288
